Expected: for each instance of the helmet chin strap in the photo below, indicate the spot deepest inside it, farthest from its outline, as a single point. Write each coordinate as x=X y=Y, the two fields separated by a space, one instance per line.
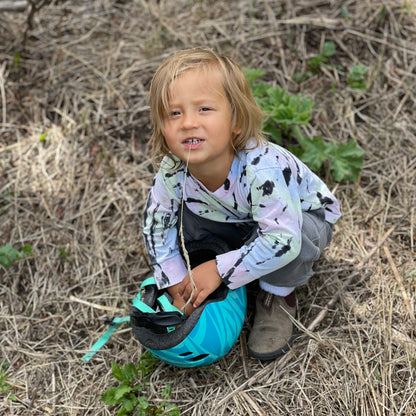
x=114 y=325
x=116 y=322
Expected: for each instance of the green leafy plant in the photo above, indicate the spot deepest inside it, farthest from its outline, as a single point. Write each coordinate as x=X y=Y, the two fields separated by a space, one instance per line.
x=357 y=76
x=4 y=386
x=345 y=159
x=130 y=394
x=408 y=7
x=282 y=110
x=315 y=63
x=65 y=255
x=285 y=113
x=9 y=254
x=323 y=56
x=383 y=13
x=344 y=12
x=42 y=137
x=16 y=61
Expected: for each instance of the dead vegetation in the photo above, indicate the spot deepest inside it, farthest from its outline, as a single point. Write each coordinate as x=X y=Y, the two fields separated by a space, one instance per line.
x=75 y=170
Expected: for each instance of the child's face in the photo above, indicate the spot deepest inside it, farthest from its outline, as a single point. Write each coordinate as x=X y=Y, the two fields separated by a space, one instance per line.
x=199 y=121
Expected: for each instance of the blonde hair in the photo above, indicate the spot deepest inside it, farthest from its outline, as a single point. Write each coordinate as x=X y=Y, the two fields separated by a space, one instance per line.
x=246 y=114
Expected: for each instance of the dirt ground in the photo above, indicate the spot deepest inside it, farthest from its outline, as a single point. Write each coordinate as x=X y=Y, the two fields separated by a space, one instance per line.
x=75 y=171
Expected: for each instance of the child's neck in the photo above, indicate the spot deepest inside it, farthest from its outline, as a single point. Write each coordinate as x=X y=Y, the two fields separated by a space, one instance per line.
x=213 y=177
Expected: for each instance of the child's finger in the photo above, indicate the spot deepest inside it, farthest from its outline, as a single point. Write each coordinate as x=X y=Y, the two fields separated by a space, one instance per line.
x=181 y=291
x=187 y=292
x=182 y=286
x=199 y=299
x=189 y=309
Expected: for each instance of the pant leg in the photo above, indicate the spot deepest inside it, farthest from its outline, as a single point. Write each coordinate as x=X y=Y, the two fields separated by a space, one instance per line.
x=316 y=235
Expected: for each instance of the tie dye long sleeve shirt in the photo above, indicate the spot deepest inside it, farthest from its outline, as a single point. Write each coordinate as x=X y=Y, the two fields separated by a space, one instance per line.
x=266 y=185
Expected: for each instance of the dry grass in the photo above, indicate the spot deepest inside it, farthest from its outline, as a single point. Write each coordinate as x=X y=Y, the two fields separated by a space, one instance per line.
x=77 y=198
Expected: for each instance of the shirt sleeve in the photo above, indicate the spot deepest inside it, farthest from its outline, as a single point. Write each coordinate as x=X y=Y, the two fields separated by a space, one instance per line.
x=317 y=195
x=161 y=235
x=276 y=208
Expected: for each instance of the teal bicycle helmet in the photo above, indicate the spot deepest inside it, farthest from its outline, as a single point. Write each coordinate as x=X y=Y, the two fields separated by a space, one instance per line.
x=188 y=341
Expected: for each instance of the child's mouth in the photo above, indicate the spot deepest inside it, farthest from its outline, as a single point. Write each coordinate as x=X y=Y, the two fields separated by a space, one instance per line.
x=193 y=142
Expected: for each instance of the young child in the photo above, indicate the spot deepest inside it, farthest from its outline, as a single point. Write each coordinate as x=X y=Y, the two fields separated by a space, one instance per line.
x=266 y=215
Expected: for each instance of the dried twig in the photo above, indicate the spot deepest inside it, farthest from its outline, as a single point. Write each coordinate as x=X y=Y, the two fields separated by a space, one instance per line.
x=3 y=93
x=13 y=6
x=95 y=305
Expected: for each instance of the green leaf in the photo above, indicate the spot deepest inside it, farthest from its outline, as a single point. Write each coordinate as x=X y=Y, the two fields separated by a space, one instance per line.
x=16 y=61
x=8 y=255
x=147 y=363
x=109 y=396
x=4 y=366
x=4 y=387
x=142 y=403
x=274 y=132
x=345 y=159
x=260 y=89
x=347 y=162
x=121 y=391
x=129 y=403
x=167 y=391
x=328 y=49
x=316 y=62
x=300 y=77
x=284 y=110
x=129 y=372
x=172 y=410
x=27 y=249
x=10 y=251
x=383 y=12
x=315 y=152
x=122 y=412
x=43 y=137
x=344 y=12
x=252 y=74
x=5 y=261
x=357 y=76
x=117 y=373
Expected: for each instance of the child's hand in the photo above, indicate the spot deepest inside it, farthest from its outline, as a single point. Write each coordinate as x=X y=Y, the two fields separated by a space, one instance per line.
x=176 y=292
x=206 y=279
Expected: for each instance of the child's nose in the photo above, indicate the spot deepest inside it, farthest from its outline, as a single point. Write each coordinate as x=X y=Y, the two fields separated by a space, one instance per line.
x=190 y=121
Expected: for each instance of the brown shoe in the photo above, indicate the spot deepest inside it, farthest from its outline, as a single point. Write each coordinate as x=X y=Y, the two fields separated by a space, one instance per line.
x=273 y=331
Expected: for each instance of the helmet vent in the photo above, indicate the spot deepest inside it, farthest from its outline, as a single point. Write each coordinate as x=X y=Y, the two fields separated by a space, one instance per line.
x=185 y=354
x=198 y=357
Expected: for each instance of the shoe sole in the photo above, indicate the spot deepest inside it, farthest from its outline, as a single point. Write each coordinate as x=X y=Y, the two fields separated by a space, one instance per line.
x=268 y=356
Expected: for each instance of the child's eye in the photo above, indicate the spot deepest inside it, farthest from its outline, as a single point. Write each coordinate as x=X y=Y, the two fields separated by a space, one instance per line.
x=174 y=113
x=206 y=108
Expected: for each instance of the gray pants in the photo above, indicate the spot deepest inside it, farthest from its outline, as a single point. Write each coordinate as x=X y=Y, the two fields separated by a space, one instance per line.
x=205 y=238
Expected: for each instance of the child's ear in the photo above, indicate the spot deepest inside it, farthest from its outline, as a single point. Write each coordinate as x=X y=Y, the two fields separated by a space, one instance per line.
x=236 y=130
